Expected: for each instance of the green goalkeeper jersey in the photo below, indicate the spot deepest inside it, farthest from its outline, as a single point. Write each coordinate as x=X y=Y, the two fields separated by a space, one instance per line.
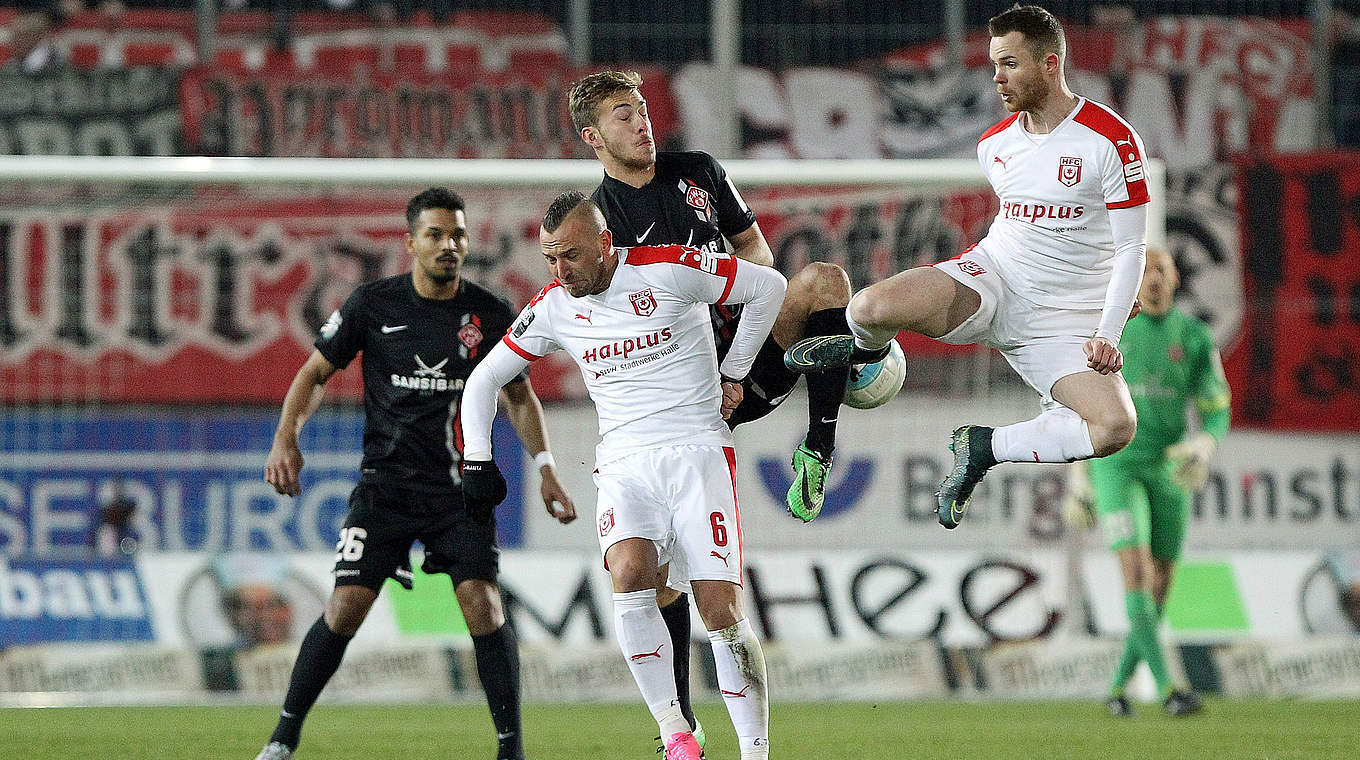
x=1170 y=361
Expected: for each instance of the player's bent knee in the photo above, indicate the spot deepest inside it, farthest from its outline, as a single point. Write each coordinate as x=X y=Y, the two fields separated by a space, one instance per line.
x=827 y=285
x=347 y=608
x=1112 y=434
x=480 y=602
x=867 y=310
x=631 y=574
x=718 y=602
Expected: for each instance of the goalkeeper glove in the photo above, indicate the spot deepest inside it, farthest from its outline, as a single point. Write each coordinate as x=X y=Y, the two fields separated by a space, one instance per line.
x=1079 y=501
x=483 y=488
x=1190 y=460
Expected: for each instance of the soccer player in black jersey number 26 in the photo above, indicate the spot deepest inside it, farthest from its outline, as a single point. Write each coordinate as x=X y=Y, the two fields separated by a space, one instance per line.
x=685 y=198
x=421 y=334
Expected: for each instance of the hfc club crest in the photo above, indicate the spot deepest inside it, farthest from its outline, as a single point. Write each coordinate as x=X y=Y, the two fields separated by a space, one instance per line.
x=698 y=199
x=643 y=302
x=470 y=335
x=1069 y=170
x=607 y=522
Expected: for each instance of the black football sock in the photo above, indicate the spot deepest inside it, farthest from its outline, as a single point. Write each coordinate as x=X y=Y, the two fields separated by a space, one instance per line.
x=498 y=668
x=676 y=615
x=825 y=389
x=318 y=657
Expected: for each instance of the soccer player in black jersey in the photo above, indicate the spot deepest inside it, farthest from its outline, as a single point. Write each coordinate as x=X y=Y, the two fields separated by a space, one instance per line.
x=421 y=334
x=670 y=197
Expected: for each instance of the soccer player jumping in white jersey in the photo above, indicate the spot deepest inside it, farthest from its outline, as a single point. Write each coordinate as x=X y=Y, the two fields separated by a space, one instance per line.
x=1051 y=284
x=636 y=322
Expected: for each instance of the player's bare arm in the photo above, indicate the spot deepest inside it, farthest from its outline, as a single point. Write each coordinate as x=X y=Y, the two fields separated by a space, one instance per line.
x=526 y=415
x=284 y=466
x=750 y=245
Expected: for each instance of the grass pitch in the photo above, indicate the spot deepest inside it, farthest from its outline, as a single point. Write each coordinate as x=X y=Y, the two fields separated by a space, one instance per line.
x=1228 y=730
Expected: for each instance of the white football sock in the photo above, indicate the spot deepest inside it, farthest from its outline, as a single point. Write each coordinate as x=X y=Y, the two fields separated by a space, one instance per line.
x=646 y=644
x=868 y=338
x=1058 y=435
x=741 y=678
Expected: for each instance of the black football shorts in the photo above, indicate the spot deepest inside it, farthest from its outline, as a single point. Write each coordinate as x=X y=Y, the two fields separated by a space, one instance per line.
x=384 y=521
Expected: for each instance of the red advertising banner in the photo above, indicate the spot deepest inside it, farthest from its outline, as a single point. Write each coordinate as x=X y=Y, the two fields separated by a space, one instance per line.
x=1296 y=362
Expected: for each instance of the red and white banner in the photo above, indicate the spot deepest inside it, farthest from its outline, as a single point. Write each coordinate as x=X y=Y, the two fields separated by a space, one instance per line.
x=215 y=295
x=1296 y=364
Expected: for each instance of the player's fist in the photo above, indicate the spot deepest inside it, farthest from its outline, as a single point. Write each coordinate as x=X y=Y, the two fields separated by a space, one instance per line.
x=483 y=488
x=1102 y=356
x=732 y=394
x=283 y=468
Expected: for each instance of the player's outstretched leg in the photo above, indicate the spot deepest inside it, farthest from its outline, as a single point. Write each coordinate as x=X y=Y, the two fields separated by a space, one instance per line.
x=972 y=447
x=813 y=458
x=318 y=658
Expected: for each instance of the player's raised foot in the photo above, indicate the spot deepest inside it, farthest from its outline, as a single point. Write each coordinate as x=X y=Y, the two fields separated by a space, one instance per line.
x=275 y=751
x=823 y=352
x=1119 y=707
x=972 y=447
x=1182 y=703
x=683 y=746
x=808 y=490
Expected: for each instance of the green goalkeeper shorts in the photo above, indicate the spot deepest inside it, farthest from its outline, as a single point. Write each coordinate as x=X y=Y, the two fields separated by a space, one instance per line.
x=1139 y=504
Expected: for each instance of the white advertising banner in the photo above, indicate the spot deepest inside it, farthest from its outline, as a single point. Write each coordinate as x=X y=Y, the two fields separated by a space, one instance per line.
x=395 y=673
x=144 y=669
x=884 y=670
x=1321 y=667
x=1266 y=490
x=1063 y=669
x=962 y=598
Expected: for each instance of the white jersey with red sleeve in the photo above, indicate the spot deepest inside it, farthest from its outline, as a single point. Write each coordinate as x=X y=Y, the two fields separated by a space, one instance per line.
x=1051 y=240
x=644 y=346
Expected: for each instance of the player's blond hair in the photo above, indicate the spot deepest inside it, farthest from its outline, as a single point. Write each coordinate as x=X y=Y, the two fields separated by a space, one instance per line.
x=587 y=92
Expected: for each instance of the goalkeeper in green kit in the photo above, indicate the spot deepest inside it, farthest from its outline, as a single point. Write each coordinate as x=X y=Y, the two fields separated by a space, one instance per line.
x=1142 y=494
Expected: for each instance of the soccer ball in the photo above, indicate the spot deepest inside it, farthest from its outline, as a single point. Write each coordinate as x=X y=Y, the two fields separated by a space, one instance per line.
x=873 y=385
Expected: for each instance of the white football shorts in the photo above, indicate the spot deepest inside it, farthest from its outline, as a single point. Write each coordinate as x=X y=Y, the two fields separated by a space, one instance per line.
x=1042 y=343
x=684 y=499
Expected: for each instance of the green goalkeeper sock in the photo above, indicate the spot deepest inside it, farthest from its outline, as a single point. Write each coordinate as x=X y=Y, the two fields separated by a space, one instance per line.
x=1128 y=662
x=1143 y=623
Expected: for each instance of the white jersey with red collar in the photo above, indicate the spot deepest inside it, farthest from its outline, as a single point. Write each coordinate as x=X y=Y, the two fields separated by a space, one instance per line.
x=1051 y=240
x=644 y=346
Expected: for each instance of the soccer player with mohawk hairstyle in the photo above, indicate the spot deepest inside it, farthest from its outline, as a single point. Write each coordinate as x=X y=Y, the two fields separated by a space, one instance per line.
x=636 y=323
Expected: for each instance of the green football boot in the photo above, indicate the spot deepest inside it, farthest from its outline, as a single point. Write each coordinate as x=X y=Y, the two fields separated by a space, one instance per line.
x=808 y=490
x=972 y=447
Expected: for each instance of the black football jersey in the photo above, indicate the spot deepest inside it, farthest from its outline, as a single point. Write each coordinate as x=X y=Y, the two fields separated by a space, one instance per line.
x=690 y=202
x=418 y=353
